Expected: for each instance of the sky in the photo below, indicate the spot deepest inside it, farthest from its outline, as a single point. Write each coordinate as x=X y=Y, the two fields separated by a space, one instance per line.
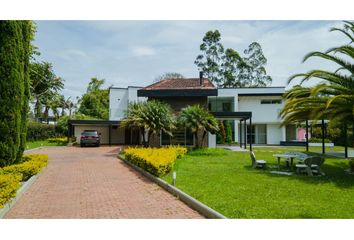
x=134 y=53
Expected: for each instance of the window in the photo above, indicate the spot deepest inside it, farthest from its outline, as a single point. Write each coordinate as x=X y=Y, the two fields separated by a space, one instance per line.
x=271 y=101
x=226 y=107
x=180 y=137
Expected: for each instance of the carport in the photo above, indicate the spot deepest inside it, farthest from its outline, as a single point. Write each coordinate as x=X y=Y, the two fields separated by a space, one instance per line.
x=242 y=117
x=111 y=133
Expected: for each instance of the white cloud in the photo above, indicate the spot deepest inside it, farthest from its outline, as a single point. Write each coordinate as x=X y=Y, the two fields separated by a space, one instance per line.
x=140 y=51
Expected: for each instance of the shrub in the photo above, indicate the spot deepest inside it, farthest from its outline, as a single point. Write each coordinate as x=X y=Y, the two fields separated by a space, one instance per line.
x=39 y=131
x=61 y=141
x=31 y=165
x=319 y=140
x=351 y=165
x=158 y=161
x=228 y=132
x=9 y=183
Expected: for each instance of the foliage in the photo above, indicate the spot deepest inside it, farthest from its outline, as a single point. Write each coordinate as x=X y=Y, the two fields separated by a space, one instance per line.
x=228 y=132
x=9 y=183
x=209 y=62
x=60 y=141
x=228 y=68
x=232 y=67
x=95 y=102
x=45 y=86
x=15 y=50
x=221 y=134
x=351 y=165
x=31 y=165
x=198 y=119
x=319 y=140
x=228 y=184
x=255 y=74
x=62 y=124
x=39 y=131
x=168 y=75
x=333 y=98
x=157 y=161
x=153 y=116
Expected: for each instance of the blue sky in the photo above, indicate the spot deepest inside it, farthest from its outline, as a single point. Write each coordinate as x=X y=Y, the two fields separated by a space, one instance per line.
x=135 y=52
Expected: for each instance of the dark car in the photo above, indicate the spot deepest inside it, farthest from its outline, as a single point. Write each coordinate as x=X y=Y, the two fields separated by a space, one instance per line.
x=90 y=137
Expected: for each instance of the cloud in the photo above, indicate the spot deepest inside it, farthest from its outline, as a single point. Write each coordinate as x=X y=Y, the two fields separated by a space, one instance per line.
x=143 y=51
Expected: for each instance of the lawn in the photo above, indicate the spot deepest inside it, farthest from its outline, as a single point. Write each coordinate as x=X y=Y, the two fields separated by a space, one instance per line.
x=36 y=144
x=226 y=182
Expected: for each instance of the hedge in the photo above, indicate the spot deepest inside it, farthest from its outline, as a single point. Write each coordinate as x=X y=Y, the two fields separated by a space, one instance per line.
x=32 y=165
x=9 y=183
x=158 y=161
x=39 y=131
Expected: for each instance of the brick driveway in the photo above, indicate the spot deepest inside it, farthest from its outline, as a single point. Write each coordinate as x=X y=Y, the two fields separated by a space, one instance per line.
x=93 y=183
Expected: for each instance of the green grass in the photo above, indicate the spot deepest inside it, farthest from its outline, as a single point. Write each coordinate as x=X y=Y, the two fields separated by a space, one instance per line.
x=36 y=144
x=227 y=183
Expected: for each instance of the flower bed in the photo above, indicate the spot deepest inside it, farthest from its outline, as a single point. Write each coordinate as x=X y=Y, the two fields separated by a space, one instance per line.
x=158 y=161
x=11 y=176
x=62 y=140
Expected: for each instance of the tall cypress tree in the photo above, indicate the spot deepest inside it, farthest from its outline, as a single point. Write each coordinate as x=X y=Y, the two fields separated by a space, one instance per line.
x=15 y=39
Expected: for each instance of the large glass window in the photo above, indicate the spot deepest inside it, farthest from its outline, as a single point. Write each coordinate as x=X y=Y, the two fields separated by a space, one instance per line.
x=182 y=137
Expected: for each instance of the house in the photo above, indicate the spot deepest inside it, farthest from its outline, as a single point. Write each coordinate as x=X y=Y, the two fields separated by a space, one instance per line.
x=252 y=112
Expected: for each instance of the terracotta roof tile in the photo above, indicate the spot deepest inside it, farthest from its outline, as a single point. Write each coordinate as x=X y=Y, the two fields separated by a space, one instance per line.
x=181 y=83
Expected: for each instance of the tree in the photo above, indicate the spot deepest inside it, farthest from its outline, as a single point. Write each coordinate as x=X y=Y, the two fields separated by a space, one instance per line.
x=254 y=73
x=333 y=98
x=198 y=120
x=168 y=75
x=44 y=84
x=233 y=65
x=153 y=116
x=15 y=50
x=210 y=60
x=95 y=102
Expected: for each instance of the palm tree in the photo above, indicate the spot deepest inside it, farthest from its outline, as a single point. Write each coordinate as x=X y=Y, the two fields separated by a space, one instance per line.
x=333 y=98
x=154 y=116
x=198 y=119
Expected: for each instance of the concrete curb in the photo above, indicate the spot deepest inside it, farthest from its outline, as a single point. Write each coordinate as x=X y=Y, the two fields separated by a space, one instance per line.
x=184 y=197
x=38 y=148
x=19 y=193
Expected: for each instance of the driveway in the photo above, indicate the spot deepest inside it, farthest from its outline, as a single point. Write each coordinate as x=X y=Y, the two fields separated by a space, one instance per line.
x=93 y=183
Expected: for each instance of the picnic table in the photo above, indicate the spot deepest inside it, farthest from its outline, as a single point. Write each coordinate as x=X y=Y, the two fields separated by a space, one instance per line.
x=286 y=156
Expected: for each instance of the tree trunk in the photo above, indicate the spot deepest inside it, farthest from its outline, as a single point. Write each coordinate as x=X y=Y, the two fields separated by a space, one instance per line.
x=148 y=140
x=196 y=139
x=203 y=138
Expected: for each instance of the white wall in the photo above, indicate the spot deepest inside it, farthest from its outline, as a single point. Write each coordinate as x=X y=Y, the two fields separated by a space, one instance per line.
x=261 y=113
x=119 y=98
x=274 y=134
x=118 y=103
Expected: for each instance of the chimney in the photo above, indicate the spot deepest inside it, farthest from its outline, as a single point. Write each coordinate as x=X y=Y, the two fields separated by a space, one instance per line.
x=201 y=78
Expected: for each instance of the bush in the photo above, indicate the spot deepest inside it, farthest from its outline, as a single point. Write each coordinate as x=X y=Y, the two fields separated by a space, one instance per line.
x=39 y=131
x=158 y=161
x=31 y=165
x=61 y=141
x=351 y=165
x=9 y=183
x=319 y=140
x=228 y=132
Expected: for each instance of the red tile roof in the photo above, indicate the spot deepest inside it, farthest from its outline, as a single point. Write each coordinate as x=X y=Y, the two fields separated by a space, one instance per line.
x=181 y=83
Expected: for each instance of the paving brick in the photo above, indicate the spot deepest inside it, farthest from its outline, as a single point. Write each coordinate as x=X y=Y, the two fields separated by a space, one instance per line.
x=93 y=183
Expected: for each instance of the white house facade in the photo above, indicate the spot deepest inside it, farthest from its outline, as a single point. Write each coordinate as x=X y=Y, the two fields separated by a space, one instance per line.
x=264 y=103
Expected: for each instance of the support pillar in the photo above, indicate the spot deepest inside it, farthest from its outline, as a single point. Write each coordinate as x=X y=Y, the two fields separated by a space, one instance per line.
x=245 y=134
x=307 y=135
x=251 y=134
x=323 y=137
x=345 y=140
